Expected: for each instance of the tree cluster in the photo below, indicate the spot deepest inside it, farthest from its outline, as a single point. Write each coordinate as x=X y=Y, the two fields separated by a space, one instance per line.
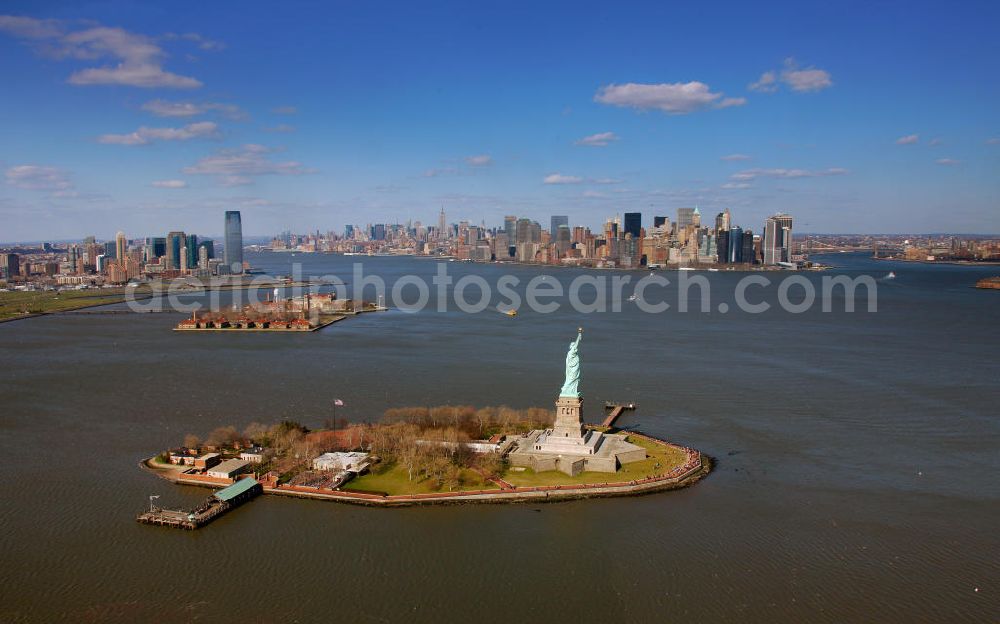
x=476 y=423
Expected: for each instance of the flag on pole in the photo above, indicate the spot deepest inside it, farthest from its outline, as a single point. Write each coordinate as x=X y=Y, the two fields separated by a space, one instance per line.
x=338 y=402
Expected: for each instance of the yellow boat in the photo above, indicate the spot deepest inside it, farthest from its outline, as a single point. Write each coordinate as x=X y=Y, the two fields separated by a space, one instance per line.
x=511 y=312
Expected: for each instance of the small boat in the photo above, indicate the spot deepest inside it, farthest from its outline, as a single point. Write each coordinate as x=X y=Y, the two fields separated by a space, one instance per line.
x=511 y=312
x=891 y=275
x=632 y=298
x=714 y=270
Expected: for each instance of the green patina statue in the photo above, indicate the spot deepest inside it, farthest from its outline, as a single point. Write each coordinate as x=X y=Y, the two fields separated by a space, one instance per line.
x=571 y=387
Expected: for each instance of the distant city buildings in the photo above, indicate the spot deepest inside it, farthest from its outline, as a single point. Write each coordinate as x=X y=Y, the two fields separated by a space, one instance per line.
x=622 y=242
x=115 y=262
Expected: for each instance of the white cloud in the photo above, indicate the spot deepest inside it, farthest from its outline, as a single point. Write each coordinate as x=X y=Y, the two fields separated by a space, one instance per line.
x=145 y=136
x=810 y=79
x=909 y=139
x=284 y=110
x=801 y=79
x=482 y=160
x=673 y=98
x=600 y=139
x=29 y=27
x=38 y=178
x=203 y=42
x=144 y=75
x=735 y=157
x=236 y=167
x=935 y=142
x=558 y=178
x=164 y=108
x=137 y=60
x=593 y=194
x=731 y=101
x=280 y=128
x=948 y=162
x=767 y=83
x=606 y=181
x=736 y=185
x=752 y=174
x=169 y=184
x=443 y=171
x=993 y=141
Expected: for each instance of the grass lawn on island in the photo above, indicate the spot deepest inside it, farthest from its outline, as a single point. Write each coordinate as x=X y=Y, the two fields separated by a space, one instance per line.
x=19 y=303
x=667 y=458
x=394 y=480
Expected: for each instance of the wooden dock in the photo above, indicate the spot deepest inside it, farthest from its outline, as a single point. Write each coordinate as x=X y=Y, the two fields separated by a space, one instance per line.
x=616 y=411
x=211 y=508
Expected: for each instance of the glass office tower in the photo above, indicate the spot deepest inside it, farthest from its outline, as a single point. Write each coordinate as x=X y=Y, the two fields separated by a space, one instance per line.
x=233 y=251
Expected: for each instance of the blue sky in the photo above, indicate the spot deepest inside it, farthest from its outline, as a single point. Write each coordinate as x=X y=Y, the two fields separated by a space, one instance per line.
x=853 y=117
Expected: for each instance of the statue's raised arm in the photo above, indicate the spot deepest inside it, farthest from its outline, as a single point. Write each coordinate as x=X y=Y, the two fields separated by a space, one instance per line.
x=571 y=386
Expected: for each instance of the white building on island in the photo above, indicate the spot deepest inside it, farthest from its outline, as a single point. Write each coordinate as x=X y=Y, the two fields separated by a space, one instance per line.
x=354 y=461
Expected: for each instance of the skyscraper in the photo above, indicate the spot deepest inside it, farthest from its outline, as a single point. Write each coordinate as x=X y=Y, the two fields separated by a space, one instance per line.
x=735 y=246
x=510 y=226
x=563 y=238
x=442 y=226
x=192 y=250
x=120 y=245
x=722 y=221
x=209 y=246
x=748 y=251
x=233 y=252
x=633 y=223
x=528 y=231
x=557 y=220
x=778 y=239
x=175 y=242
x=685 y=217
x=10 y=265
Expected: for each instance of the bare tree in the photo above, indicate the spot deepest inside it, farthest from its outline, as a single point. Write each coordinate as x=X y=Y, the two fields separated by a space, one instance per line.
x=256 y=433
x=222 y=436
x=492 y=464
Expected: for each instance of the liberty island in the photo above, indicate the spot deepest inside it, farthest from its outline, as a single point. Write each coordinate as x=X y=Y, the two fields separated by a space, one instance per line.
x=399 y=464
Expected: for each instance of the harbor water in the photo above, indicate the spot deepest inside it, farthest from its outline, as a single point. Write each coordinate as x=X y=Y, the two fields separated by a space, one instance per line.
x=855 y=481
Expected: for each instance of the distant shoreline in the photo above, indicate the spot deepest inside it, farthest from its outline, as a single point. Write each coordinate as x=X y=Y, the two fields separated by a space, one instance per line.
x=970 y=263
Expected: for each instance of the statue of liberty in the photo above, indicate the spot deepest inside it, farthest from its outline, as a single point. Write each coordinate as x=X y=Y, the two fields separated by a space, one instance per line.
x=571 y=385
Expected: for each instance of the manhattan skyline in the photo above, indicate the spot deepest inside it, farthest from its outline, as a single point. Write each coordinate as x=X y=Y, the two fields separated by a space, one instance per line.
x=132 y=117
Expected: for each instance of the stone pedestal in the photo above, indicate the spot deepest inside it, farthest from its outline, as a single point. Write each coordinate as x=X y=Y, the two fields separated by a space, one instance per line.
x=569 y=418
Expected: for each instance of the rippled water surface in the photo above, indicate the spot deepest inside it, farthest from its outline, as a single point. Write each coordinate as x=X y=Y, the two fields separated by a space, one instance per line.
x=856 y=478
